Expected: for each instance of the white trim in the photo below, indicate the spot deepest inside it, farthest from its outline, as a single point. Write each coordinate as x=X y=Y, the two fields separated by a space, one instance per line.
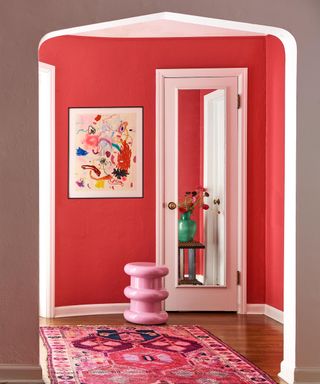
x=116 y=308
x=255 y=309
x=46 y=189
x=184 y=19
x=290 y=47
x=294 y=375
x=90 y=309
x=267 y=310
x=160 y=145
x=242 y=189
x=241 y=74
x=287 y=372
x=274 y=313
x=290 y=188
x=20 y=373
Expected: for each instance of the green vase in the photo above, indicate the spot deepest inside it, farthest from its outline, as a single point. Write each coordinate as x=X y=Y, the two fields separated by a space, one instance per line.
x=186 y=227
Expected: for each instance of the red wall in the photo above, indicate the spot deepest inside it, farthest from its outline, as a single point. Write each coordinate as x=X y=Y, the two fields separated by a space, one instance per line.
x=275 y=82
x=95 y=238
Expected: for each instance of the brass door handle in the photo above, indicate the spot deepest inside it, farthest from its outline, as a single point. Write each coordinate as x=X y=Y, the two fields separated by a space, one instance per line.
x=172 y=205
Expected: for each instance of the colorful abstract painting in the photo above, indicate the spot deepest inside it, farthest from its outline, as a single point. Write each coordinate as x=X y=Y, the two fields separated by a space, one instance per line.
x=105 y=152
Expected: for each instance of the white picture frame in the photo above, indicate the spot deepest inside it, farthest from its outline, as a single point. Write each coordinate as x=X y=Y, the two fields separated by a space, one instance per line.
x=105 y=152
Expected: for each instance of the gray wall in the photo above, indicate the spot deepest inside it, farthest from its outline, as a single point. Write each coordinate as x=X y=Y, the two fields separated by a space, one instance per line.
x=22 y=24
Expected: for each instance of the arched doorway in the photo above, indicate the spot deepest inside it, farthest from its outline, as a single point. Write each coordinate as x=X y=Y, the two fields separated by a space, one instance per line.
x=180 y=25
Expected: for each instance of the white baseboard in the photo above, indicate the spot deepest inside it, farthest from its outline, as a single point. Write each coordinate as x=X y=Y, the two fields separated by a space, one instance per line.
x=255 y=309
x=20 y=373
x=274 y=313
x=265 y=309
x=108 y=309
x=299 y=375
x=90 y=309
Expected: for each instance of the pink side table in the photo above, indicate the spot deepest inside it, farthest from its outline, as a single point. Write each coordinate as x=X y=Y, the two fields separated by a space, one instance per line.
x=146 y=293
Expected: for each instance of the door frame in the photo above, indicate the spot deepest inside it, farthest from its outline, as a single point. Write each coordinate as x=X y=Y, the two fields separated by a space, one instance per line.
x=242 y=75
x=46 y=190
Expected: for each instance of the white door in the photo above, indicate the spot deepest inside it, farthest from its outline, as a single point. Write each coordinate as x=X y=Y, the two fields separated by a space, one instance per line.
x=201 y=279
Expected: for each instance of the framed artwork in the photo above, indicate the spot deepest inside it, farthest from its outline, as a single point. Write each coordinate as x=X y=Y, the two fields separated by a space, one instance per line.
x=106 y=152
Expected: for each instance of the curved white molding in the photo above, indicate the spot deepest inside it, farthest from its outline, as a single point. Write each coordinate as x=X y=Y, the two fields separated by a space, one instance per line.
x=152 y=26
x=90 y=309
x=267 y=310
x=290 y=47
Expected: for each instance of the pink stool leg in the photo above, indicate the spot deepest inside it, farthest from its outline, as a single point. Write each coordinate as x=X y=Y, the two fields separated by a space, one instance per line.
x=146 y=293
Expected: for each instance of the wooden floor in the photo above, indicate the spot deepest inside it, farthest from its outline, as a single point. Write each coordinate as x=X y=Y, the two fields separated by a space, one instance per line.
x=256 y=337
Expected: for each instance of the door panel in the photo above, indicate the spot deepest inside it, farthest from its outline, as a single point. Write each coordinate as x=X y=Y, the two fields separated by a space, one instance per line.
x=215 y=266
x=214 y=177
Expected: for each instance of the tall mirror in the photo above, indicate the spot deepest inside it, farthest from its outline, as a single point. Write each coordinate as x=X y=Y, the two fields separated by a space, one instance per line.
x=201 y=187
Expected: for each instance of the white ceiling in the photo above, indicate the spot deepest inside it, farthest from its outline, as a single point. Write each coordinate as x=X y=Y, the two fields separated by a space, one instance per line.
x=162 y=28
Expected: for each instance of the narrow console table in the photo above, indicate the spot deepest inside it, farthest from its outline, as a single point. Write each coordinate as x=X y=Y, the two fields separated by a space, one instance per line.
x=192 y=247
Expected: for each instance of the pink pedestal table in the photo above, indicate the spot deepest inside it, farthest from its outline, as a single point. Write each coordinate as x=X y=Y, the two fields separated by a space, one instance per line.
x=146 y=293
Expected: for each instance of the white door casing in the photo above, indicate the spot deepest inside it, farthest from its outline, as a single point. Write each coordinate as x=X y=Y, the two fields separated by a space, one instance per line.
x=46 y=189
x=168 y=83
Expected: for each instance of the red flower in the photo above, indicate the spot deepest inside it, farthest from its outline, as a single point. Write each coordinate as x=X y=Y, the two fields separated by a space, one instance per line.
x=194 y=199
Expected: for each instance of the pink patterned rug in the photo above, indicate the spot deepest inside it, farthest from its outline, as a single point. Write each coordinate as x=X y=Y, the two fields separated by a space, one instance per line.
x=147 y=355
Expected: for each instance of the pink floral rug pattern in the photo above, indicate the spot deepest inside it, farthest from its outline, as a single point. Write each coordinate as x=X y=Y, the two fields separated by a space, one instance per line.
x=147 y=355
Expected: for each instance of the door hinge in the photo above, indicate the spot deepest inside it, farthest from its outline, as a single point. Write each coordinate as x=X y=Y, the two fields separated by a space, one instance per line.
x=238 y=277
x=239 y=102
